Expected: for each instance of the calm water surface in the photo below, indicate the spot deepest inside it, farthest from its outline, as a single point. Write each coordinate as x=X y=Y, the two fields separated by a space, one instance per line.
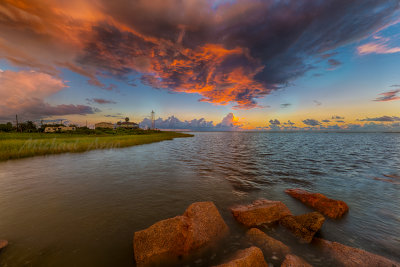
x=82 y=209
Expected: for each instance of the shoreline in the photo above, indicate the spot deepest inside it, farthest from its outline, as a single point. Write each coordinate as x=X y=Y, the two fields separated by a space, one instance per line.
x=24 y=145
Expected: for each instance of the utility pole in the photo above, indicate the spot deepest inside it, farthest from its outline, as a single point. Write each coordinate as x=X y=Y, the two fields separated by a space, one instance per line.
x=16 y=119
x=153 y=120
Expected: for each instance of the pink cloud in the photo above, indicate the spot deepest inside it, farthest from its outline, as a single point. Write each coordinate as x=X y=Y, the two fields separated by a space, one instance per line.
x=377 y=47
x=24 y=93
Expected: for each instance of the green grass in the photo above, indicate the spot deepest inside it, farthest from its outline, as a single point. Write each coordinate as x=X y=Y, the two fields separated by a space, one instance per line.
x=22 y=145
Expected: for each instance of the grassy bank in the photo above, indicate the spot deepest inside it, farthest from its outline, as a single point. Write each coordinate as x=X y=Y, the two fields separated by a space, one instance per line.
x=21 y=145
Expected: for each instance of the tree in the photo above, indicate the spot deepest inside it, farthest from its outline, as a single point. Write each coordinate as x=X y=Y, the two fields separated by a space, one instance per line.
x=127 y=119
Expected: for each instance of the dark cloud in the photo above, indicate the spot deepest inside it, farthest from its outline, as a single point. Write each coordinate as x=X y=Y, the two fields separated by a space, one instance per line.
x=389 y=96
x=317 y=103
x=333 y=63
x=285 y=105
x=235 y=52
x=289 y=123
x=326 y=121
x=100 y=101
x=328 y=55
x=382 y=119
x=274 y=122
x=337 y=117
x=395 y=85
x=311 y=122
x=341 y=121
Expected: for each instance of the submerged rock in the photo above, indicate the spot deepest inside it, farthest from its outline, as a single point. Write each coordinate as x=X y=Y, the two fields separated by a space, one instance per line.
x=304 y=226
x=200 y=225
x=250 y=257
x=329 y=207
x=3 y=244
x=294 y=261
x=352 y=257
x=259 y=212
x=270 y=246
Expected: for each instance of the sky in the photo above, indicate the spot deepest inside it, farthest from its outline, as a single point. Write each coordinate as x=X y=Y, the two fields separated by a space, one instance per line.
x=277 y=65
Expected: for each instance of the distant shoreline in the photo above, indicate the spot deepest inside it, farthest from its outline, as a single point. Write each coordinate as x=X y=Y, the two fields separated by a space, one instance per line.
x=23 y=145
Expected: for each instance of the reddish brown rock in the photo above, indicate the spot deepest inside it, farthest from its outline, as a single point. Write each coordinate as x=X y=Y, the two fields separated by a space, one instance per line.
x=304 y=226
x=3 y=244
x=259 y=212
x=329 y=207
x=269 y=245
x=352 y=257
x=294 y=261
x=250 y=257
x=200 y=225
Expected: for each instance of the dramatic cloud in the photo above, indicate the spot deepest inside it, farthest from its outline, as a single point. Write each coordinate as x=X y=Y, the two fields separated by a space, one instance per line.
x=24 y=93
x=286 y=105
x=389 y=96
x=226 y=51
x=311 y=122
x=100 y=101
x=326 y=121
x=382 y=119
x=229 y=123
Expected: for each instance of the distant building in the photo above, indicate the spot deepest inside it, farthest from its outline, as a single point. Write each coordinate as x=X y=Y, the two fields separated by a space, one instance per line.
x=127 y=125
x=61 y=128
x=108 y=125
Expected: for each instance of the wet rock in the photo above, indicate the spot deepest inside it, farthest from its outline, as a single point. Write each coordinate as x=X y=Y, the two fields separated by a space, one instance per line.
x=352 y=257
x=294 y=261
x=200 y=225
x=329 y=207
x=304 y=226
x=270 y=246
x=250 y=257
x=3 y=244
x=259 y=212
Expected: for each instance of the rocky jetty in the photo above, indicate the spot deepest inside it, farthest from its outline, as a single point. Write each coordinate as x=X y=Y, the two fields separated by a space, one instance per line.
x=199 y=226
x=352 y=257
x=294 y=261
x=329 y=207
x=3 y=244
x=250 y=257
x=270 y=246
x=304 y=226
x=259 y=212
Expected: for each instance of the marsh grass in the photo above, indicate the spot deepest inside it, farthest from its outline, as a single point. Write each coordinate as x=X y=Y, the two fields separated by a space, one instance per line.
x=21 y=145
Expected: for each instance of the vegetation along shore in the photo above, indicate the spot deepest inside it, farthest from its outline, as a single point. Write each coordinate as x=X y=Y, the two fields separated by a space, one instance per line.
x=20 y=145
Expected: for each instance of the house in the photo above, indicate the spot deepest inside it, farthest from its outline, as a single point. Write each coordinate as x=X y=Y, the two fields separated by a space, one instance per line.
x=61 y=128
x=108 y=125
x=127 y=125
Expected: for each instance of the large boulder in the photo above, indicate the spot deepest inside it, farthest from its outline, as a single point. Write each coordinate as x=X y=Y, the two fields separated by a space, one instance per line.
x=294 y=261
x=270 y=246
x=200 y=225
x=329 y=207
x=3 y=244
x=250 y=257
x=259 y=212
x=352 y=257
x=304 y=226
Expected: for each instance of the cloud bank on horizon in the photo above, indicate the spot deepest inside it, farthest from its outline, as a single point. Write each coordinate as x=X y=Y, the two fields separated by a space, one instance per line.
x=228 y=52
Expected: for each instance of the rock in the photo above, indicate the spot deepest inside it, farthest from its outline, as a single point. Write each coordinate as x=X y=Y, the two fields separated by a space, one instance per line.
x=352 y=257
x=329 y=207
x=294 y=261
x=259 y=212
x=3 y=244
x=250 y=257
x=268 y=245
x=304 y=226
x=200 y=225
